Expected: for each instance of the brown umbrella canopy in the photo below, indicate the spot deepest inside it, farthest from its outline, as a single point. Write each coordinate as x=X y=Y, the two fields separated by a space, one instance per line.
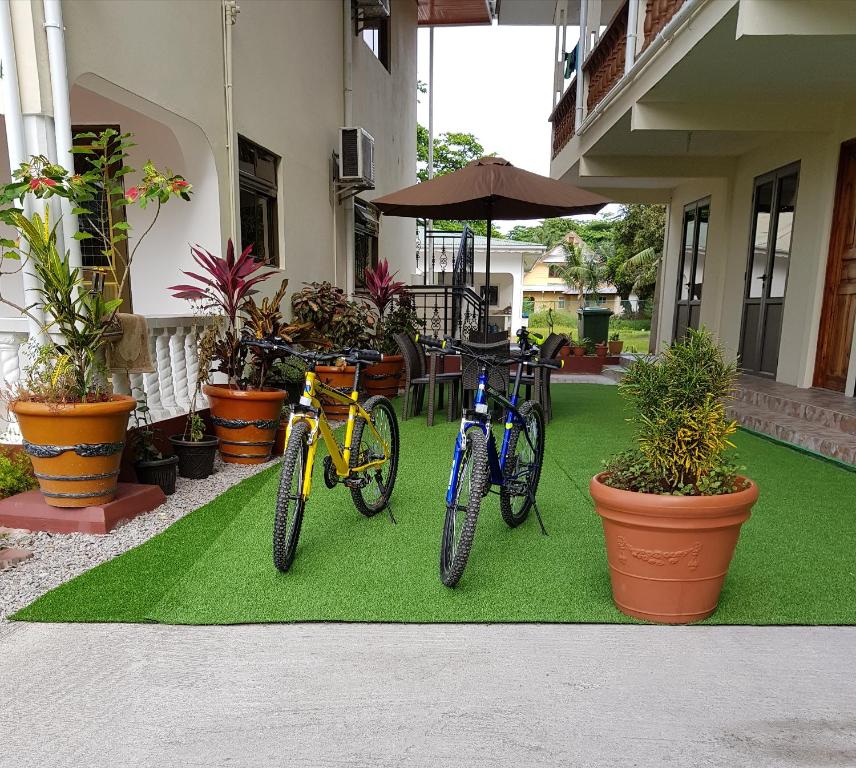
x=490 y=188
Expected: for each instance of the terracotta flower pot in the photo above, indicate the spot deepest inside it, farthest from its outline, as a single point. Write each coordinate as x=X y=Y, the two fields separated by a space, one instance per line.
x=615 y=347
x=383 y=378
x=245 y=421
x=76 y=448
x=579 y=351
x=341 y=378
x=668 y=555
x=600 y=350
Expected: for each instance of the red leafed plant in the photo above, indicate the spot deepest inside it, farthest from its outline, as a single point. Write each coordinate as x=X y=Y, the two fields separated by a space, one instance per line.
x=227 y=285
x=381 y=285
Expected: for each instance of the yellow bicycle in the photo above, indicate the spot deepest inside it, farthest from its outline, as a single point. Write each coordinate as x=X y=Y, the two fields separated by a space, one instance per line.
x=366 y=462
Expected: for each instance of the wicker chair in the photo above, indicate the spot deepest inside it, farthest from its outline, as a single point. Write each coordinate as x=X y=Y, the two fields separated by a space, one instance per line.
x=492 y=337
x=497 y=375
x=416 y=380
x=538 y=382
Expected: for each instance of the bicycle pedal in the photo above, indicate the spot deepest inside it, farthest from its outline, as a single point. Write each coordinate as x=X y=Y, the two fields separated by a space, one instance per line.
x=331 y=479
x=355 y=482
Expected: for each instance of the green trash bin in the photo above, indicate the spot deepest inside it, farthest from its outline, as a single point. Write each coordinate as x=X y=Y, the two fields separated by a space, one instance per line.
x=593 y=323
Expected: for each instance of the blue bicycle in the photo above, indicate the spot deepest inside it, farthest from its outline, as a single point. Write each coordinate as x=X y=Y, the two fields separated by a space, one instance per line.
x=477 y=465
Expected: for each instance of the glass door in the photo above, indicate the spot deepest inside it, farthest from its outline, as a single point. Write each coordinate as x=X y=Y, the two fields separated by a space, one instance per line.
x=773 y=210
x=691 y=268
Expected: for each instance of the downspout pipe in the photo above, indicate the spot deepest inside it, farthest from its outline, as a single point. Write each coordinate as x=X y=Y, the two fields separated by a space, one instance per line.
x=582 y=51
x=17 y=148
x=62 y=120
x=230 y=18
x=348 y=110
x=632 y=35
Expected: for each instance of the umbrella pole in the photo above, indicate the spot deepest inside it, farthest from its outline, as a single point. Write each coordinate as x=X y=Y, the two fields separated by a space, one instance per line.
x=487 y=280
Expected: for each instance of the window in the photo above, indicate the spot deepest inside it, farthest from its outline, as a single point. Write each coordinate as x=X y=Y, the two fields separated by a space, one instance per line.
x=691 y=267
x=561 y=302
x=528 y=305
x=494 y=295
x=375 y=34
x=258 y=188
x=94 y=249
x=366 y=227
x=554 y=270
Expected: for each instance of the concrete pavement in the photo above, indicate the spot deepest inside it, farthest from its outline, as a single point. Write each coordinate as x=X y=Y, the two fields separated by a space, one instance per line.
x=440 y=695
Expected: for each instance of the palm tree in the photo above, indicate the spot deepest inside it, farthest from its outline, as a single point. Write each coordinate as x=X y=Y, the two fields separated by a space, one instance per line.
x=583 y=271
x=642 y=269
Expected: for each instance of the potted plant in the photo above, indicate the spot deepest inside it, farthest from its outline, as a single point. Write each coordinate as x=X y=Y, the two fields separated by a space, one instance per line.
x=578 y=348
x=151 y=466
x=244 y=412
x=672 y=507
x=288 y=373
x=589 y=347
x=336 y=322
x=393 y=317
x=74 y=429
x=616 y=345
x=600 y=350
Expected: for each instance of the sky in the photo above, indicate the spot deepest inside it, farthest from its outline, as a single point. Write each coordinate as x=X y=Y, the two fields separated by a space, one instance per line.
x=494 y=82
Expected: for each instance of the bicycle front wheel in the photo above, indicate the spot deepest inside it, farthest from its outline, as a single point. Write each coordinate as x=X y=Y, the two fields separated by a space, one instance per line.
x=522 y=465
x=290 y=499
x=372 y=488
x=469 y=483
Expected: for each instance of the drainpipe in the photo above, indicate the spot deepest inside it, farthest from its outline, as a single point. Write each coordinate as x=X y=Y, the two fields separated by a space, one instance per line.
x=556 y=89
x=348 y=108
x=581 y=54
x=230 y=17
x=62 y=120
x=17 y=147
x=632 y=34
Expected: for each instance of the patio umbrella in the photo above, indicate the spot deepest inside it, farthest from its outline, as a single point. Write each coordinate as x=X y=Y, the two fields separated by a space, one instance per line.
x=490 y=189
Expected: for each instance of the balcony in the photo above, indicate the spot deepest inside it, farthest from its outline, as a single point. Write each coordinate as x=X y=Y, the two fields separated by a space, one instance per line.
x=605 y=64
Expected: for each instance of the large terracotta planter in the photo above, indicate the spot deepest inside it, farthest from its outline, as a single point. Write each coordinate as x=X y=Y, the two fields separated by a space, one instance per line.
x=383 y=378
x=245 y=421
x=76 y=448
x=615 y=347
x=668 y=555
x=341 y=378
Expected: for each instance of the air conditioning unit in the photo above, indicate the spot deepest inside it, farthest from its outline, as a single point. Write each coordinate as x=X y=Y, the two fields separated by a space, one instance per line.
x=356 y=157
x=373 y=9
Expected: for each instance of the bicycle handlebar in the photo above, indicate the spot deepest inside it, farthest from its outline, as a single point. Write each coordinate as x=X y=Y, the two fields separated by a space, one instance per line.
x=428 y=341
x=351 y=354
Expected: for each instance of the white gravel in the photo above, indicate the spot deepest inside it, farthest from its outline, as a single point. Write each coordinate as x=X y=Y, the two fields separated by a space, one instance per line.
x=58 y=557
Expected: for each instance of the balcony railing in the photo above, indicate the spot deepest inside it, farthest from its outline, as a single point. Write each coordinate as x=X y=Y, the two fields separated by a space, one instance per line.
x=604 y=66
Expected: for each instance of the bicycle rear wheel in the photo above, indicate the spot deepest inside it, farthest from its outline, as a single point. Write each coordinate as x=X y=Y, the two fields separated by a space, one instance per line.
x=290 y=501
x=372 y=488
x=468 y=488
x=522 y=465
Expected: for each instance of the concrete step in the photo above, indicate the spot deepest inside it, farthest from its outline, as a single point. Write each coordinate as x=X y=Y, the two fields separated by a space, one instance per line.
x=614 y=372
x=826 y=409
x=812 y=435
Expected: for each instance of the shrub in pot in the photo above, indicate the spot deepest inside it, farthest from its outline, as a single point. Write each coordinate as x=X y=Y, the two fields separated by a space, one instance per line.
x=74 y=429
x=245 y=412
x=151 y=466
x=336 y=322
x=600 y=350
x=616 y=345
x=672 y=507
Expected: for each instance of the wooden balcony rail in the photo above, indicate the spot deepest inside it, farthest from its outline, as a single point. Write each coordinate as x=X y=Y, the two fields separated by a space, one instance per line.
x=563 y=118
x=605 y=64
x=658 y=13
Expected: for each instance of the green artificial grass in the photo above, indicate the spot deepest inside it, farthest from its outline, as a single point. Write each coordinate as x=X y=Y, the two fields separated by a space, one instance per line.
x=794 y=563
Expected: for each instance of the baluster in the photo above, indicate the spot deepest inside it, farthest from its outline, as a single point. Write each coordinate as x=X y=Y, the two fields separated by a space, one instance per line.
x=163 y=363
x=10 y=363
x=152 y=381
x=180 y=374
x=191 y=355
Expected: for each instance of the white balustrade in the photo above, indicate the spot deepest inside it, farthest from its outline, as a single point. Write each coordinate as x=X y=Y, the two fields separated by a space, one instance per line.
x=168 y=389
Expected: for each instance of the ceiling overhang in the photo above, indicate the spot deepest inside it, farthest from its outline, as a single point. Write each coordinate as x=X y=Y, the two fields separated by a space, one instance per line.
x=444 y=13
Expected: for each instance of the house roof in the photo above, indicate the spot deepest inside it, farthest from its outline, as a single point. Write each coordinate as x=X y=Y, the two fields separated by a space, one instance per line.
x=480 y=241
x=453 y=12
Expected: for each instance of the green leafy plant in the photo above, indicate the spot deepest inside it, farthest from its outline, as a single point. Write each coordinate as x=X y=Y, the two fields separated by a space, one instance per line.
x=682 y=432
x=195 y=427
x=68 y=369
x=335 y=320
x=16 y=475
x=402 y=318
x=142 y=438
x=588 y=344
x=615 y=337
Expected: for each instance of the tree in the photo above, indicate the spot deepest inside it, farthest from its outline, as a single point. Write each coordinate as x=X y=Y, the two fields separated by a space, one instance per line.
x=583 y=271
x=551 y=232
x=639 y=236
x=641 y=271
x=452 y=151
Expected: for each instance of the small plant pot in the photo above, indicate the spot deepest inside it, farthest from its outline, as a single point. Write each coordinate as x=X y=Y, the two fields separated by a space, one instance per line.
x=341 y=378
x=195 y=458
x=383 y=378
x=245 y=421
x=600 y=350
x=161 y=472
x=615 y=348
x=668 y=555
x=75 y=448
x=579 y=351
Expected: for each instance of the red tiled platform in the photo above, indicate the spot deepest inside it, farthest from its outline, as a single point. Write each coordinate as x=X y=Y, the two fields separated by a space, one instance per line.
x=28 y=510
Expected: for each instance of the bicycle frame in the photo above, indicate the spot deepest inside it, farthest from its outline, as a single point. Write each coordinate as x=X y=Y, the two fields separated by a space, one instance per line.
x=311 y=411
x=480 y=417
